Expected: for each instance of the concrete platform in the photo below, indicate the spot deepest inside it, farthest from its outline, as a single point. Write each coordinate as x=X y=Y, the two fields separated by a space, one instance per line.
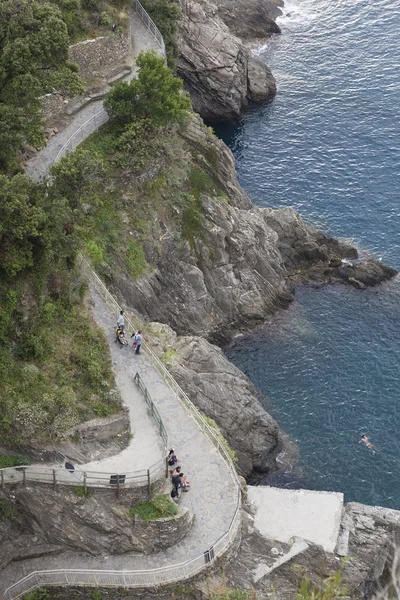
x=284 y=514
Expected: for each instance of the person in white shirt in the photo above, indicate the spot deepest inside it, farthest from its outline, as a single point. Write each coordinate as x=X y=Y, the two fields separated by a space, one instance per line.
x=121 y=320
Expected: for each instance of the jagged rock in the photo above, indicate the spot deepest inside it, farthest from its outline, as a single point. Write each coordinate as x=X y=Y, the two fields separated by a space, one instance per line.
x=369 y=272
x=214 y=64
x=225 y=394
x=97 y=524
x=261 y=82
x=250 y=19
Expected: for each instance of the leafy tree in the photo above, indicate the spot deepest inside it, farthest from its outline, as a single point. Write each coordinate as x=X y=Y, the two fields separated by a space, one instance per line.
x=33 y=61
x=32 y=225
x=155 y=95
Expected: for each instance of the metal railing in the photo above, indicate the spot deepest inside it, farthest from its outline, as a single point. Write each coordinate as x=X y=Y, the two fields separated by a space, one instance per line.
x=88 y=479
x=153 y=409
x=101 y=117
x=151 y=26
x=150 y=577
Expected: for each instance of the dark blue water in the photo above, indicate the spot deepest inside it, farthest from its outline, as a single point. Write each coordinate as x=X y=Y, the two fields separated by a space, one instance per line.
x=329 y=145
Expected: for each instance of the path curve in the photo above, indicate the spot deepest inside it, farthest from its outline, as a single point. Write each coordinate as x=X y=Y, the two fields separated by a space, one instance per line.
x=92 y=114
x=213 y=497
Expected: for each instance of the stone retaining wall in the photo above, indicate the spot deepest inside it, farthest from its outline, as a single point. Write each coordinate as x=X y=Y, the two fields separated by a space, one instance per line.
x=164 y=533
x=102 y=58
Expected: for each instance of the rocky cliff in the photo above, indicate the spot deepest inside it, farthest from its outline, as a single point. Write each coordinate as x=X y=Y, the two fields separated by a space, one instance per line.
x=236 y=269
x=215 y=62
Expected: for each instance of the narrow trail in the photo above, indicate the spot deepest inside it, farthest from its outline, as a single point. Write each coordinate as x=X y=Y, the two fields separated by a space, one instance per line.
x=38 y=167
x=212 y=498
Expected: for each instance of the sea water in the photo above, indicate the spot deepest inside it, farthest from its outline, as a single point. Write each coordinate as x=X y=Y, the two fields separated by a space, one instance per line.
x=329 y=145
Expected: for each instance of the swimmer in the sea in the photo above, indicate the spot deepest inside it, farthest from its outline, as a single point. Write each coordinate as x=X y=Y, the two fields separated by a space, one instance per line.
x=364 y=440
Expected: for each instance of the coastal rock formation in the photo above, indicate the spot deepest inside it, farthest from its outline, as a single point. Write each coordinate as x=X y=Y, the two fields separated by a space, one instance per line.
x=236 y=273
x=224 y=394
x=218 y=69
x=275 y=569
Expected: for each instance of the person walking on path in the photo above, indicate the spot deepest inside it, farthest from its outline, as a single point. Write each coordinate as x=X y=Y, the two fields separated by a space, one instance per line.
x=121 y=320
x=137 y=341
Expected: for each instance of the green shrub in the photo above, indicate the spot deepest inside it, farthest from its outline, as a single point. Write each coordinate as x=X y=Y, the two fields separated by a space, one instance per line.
x=105 y=20
x=330 y=588
x=158 y=508
x=13 y=461
x=7 y=510
x=81 y=493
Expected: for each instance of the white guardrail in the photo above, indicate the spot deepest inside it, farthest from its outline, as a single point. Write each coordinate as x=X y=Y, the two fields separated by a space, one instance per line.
x=101 y=117
x=151 y=577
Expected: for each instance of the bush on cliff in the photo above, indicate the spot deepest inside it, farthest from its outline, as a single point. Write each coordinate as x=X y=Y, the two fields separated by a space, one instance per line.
x=156 y=95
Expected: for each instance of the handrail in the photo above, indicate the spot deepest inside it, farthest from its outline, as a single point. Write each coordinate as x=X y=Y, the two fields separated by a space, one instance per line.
x=102 y=116
x=153 y=409
x=77 y=477
x=150 y=577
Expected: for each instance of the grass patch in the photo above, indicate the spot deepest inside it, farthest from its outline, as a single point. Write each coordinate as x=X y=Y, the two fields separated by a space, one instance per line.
x=7 y=510
x=159 y=507
x=13 y=461
x=135 y=260
x=223 y=441
x=81 y=493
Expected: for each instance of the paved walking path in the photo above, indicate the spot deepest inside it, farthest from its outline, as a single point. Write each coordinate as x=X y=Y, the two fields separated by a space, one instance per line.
x=38 y=167
x=213 y=495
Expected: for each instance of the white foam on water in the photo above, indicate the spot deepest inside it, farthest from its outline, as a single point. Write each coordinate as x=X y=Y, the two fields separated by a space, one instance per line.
x=297 y=12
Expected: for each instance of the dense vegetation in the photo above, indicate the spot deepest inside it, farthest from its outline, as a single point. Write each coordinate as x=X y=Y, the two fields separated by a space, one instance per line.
x=33 y=61
x=54 y=363
x=136 y=173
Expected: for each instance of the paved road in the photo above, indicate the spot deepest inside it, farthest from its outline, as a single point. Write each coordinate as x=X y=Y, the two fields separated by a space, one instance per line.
x=213 y=495
x=38 y=167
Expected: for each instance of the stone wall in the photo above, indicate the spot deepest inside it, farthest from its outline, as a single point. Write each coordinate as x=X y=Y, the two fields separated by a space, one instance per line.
x=102 y=58
x=164 y=533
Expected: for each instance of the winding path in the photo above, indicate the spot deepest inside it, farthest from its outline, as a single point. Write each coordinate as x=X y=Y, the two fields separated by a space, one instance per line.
x=91 y=116
x=214 y=497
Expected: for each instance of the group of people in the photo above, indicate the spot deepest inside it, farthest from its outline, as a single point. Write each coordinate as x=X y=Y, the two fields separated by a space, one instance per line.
x=179 y=480
x=136 y=337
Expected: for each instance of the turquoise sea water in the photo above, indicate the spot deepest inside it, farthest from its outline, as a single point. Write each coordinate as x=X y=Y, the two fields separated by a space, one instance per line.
x=329 y=145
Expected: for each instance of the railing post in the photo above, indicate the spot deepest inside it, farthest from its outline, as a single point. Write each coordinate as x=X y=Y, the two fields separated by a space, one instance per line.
x=2 y=479
x=118 y=490
x=166 y=467
x=84 y=483
x=24 y=476
x=148 y=482
x=54 y=480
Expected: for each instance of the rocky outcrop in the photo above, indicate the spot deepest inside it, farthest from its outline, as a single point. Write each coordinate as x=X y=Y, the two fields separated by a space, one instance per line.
x=62 y=519
x=224 y=394
x=217 y=67
x=239 y=268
